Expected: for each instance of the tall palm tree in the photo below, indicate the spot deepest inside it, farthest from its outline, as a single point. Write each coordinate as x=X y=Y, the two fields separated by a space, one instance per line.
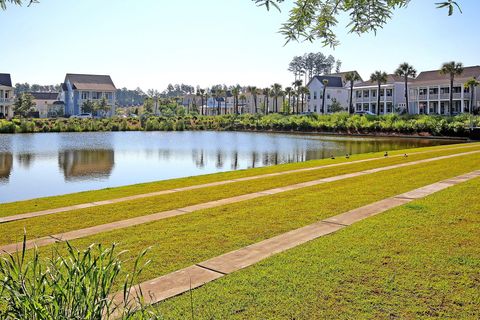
x=406 y=71
x=225 y=97
x=218 y=94
x=288 y=92
x=351 y=77
x=325 y=84
x=242 y=98
x=276 y=92
x=266 y=93
x=380 y=78
x=202 y=96
x=297 y=84
x=236 y=94
x=304 y=91
x=471 y=84
x=452 y=69
x=253 y=91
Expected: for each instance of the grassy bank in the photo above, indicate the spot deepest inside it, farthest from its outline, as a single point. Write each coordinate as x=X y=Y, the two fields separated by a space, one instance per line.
x=418 y=261
x=335 y=123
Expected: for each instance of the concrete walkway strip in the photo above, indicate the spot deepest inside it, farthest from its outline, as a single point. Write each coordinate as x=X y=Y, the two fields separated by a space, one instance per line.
x=192 y=277
x=200 y=186
x=90 y=231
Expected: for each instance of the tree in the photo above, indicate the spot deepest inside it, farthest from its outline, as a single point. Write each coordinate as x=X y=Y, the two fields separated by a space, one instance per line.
x=314 y=19
x=379 y=77
x=276 y=93
x=325 y=84
x=297 y=84
x=3 y=3
x=335 y=106
x=253 y=91
x=23 y=105
x=405 y=70
x=288 y=92
x=266 y=93
x=304 y=91
x=236 y=94
x=243 y=98
x=451 y=69
x=102 y=106
x=351 y=77
x=148 y=105
x=471 y=85
x=88 y=107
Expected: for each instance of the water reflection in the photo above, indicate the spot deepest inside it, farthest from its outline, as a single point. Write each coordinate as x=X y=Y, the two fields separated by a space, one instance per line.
x=6 y=163
x=86 y=164
x=26 y=159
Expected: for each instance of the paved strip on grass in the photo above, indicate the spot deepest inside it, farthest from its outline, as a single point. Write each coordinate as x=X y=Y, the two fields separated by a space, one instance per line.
x=28 y=215
x=192 y=277
x=80 y=233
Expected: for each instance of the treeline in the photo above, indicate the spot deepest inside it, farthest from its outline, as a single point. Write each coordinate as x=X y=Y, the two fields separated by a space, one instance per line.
x=340 y=123
x=26 y=87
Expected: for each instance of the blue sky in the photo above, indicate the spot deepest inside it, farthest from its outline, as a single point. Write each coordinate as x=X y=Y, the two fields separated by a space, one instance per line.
x=151 y=43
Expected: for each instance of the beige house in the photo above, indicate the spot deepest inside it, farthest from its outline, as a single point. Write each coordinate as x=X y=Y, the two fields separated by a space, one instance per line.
x=7 y=93
x=47 y=104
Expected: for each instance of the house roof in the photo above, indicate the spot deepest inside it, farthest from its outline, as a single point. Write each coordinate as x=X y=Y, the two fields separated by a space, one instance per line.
x=5 y=79
x=333 y=81
x=343 y=74
x=435 y=75
x=90 y=82
x=391 y=78
x=44 y=95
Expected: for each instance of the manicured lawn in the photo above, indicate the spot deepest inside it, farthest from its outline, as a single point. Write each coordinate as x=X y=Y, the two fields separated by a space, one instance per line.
x=77 y=219
x=181 y=241
x=91 y=196
x=418 y=261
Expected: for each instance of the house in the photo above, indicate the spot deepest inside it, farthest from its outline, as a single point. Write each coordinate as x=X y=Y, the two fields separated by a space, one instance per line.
x=47 y=104
x=429 y=93
x=80 y=88
x=334 y=91
x=6 y=96
x=392 y=95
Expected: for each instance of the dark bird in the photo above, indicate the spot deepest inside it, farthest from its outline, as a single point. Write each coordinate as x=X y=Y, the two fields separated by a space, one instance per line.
x=347 y=156
x=386 y=154
x=405 y=155
x=332 y=157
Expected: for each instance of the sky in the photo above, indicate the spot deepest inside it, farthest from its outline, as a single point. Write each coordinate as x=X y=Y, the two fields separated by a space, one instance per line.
x=151 y=43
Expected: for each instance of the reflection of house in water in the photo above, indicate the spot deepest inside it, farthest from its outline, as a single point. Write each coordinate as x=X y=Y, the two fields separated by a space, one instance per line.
x=86 y=164
x=6 y=161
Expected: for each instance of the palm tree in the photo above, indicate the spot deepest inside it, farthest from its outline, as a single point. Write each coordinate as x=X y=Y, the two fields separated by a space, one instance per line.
x=405 y=70
x=201 y=92
x=471 y=84
x=452 y=69
x=235 y=93
x=276 y=92
x=379 y=77
x=253 y=91
x=225 y=97
x=297 y=84
x=266 y=93
x=352 y=77
x=325 y=84
x=243 y=98
x=304 y=91
x=218 y=94
x=288 y=92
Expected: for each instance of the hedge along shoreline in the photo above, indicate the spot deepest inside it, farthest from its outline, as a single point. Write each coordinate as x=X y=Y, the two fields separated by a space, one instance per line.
x=340 y=123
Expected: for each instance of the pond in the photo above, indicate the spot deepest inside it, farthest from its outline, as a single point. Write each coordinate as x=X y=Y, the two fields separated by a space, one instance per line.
x=38 y=165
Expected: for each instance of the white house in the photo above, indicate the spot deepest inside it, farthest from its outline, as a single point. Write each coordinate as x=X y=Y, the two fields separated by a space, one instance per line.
x=430 y=92
x=47 y=104
x=7 y=93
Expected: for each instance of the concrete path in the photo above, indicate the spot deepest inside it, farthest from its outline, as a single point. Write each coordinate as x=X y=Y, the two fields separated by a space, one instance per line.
x=183 y=280
x=81 y=233
x=200 y=186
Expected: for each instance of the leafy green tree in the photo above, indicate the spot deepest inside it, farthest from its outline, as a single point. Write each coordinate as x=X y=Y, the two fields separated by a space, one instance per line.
x=379 y=77
x=451 y=69
x=102 y=106
x=148 y=105
x=316 y=19
x=23 y=105
x=325 y=84
x=406 y=71
x=88 y=107
x=335 y=106
x=471 y=85
x=351 y=77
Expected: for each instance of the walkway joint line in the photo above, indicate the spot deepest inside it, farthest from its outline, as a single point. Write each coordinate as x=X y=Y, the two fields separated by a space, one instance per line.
x=210 y=269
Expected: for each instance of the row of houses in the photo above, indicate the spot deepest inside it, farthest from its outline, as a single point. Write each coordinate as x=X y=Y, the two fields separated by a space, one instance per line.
x=429 y=93
x=76 y=90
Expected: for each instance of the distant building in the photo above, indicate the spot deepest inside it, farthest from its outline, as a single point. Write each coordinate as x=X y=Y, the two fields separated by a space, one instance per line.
x=47 y=104
x=334 y=91
x=430 y=92
x=80 y=88
x=392 y=95
x=6 y=96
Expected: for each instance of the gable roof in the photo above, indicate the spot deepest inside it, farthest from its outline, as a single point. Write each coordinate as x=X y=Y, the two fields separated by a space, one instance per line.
x=90 y=82
x=333 y=81
x=343 y=74
x=435 y=75
x=391 y=78
x=5 y=79
x=44 y=95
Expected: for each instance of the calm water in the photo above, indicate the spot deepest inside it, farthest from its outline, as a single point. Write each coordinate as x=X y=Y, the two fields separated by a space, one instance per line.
x=37 y=165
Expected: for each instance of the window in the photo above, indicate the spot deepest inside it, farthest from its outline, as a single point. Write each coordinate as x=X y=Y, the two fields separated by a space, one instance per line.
x=359 y=107
x=433 y=91
x=359 y=94
x=389 y=92
x=374 y=93
x=84 y=95
x=389 y=107
x=366 y=93
x=314 y=95
x=445 y=90
x=423 y=91
x=366 y=107
x=457 y=89
x=328 y=95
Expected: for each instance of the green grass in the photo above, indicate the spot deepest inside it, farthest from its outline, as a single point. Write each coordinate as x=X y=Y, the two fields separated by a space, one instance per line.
x=13 y=208
x=417 y=261
x=61 y=222
x=181 y=241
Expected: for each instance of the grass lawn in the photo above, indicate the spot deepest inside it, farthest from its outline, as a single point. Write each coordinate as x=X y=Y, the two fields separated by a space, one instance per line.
x=61 y=222
x=181 y=241
x=111 y=193
x=417 y=261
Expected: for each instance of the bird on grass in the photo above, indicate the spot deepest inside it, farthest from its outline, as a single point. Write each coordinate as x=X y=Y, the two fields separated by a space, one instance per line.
x=347 y=156
x=332 y=157
x=405 y=155
x=386 y=154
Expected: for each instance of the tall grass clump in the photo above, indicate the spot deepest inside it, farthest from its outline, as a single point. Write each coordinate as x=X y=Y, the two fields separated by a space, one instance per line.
x=77 y=285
